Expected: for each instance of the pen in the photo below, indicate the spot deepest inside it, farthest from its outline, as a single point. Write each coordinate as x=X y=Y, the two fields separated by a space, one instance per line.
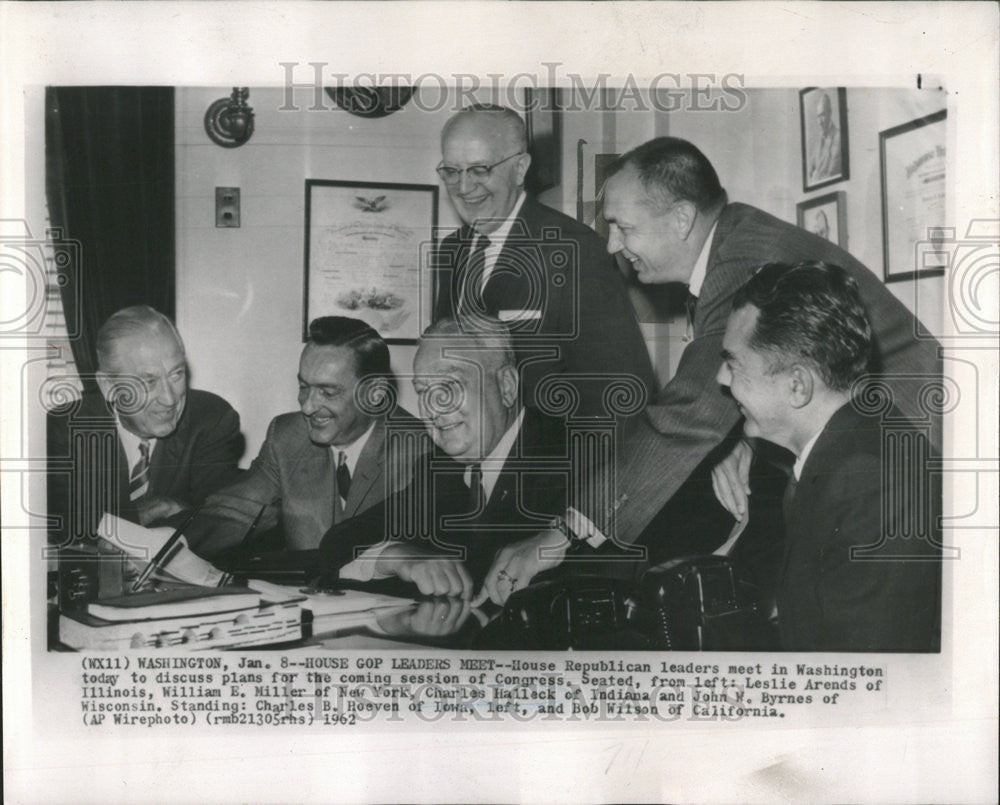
x=162 y=554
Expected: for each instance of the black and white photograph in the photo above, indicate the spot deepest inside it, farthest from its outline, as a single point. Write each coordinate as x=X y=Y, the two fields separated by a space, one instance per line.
x=370 y=411
x=825 y=216
x=825 y=155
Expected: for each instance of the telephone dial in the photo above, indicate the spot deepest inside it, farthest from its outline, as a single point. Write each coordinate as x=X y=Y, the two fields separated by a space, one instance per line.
x=689 y=604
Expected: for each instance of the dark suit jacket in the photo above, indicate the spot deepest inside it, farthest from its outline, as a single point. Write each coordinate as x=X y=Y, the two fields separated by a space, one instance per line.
x=296 y=480
x=693 y=414
x=847 y=497
x=529 y=491
x=560 y=270
x=88 y=472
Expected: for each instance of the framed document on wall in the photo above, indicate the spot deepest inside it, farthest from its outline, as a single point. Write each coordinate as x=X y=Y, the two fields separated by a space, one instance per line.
x=912 y=160
x=367 y=255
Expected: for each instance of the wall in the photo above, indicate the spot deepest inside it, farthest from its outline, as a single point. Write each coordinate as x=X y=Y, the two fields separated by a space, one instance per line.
x=239 y=291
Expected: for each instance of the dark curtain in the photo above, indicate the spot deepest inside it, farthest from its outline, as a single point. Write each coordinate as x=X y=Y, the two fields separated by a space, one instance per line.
x=110 y=186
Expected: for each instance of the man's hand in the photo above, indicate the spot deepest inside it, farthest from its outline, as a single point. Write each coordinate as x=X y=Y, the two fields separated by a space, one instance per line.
x=437 y=618
x=731 y=479
x=154 y=509
x=433 y=575
x=517 y=564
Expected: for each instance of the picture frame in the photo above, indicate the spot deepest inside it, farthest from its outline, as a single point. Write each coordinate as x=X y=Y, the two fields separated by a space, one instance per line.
x=368 y=247
x=912 y=164
x=825 y=216
x=543 y=121
x=824 y=132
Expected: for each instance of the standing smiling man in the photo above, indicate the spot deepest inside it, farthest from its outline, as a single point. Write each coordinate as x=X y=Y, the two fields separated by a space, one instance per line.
x=546 y=276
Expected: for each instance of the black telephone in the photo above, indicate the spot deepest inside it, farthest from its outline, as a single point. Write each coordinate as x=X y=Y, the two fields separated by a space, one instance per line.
x=695 y=603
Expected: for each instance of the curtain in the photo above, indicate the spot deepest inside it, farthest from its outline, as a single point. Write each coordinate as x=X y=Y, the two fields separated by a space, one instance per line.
x=110 y=189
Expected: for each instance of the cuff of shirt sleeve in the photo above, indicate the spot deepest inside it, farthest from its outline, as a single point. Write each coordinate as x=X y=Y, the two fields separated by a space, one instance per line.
x=365 y=567
x=584 y=529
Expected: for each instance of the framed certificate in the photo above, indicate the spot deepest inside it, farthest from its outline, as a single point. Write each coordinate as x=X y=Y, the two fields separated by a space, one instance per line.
x=912 y=160
x=367 y=255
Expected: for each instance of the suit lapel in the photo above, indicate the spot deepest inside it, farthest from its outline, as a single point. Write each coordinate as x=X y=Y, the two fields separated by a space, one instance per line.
x=314 y=477
x=368 y=470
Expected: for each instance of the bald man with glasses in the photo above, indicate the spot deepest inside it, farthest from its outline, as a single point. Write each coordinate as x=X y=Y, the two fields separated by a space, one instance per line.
x=546 y=276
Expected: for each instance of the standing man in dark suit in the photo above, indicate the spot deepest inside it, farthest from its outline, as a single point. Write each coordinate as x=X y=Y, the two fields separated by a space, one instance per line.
x=851 y=578
x=670 y=217
x=482 y=488
x=147 y=446
x=324 y=463
x=545 y=275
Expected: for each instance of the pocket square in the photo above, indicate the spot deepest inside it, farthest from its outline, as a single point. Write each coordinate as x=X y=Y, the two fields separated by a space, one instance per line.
x=518 y=315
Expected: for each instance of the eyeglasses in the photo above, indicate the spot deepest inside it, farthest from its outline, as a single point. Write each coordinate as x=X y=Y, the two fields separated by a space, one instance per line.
x=478 y=173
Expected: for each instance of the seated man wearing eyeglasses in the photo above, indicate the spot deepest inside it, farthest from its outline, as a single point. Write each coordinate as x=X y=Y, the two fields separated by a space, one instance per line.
x=546 y=276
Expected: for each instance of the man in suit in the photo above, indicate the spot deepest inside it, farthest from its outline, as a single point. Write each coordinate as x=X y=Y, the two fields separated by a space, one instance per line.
x=480 y=490
x=670 y=218
x=851 y=578
x=545 y=275
x=147 y=446
x=324 y=463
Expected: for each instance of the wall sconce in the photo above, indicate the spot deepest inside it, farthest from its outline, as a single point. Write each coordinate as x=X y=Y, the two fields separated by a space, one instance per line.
x=229 y=121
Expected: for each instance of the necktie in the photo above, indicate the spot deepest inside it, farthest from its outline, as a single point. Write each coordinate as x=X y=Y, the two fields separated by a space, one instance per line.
x=343 y=476
x=788 y=497
x=475 y=486
x=138 y=484
x=690 y=305
x=472 y=276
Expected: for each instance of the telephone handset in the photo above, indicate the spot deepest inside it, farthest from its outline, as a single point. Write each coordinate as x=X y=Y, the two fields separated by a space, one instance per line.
x=689 y=604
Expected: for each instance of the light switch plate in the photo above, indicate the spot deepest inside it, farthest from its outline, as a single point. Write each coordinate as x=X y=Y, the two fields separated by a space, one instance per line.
x=227 y=206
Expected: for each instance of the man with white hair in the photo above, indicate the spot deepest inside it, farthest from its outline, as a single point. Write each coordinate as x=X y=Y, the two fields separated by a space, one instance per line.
x=548 y=277
x=492 y=480
x=147 y=446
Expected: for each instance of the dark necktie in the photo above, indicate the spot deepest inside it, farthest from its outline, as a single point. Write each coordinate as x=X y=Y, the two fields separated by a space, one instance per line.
x=343 y=476
x=788 y=498
x=138 y=484
x=690 y=305
x=472 y=277
x=475 y=486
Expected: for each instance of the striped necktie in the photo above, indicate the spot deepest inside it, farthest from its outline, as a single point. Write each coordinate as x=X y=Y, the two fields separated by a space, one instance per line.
x=138 y=484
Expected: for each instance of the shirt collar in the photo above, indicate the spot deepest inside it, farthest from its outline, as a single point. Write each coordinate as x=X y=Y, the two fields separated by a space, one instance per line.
x=800 y=462
x=701 y=264
x=353 y=450
x=130 y=443
x=493 y=463
x=499 y=236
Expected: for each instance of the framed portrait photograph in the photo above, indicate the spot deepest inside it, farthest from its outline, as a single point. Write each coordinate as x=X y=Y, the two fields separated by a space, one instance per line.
x=823 y=118
x=825 y=216
x=367 y=247
x=912 y=162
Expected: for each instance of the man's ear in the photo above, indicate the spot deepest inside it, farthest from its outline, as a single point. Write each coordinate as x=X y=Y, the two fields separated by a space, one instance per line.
x=508 y=383
x=685 y=213
x=801 y=386
x=523 y=163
